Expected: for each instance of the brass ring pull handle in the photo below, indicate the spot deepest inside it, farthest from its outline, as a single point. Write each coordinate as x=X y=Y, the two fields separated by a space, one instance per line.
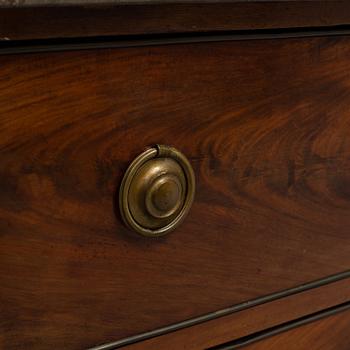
x=157 y=191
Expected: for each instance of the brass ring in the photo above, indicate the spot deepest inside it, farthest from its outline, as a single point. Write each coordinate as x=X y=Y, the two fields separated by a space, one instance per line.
x=155 y=162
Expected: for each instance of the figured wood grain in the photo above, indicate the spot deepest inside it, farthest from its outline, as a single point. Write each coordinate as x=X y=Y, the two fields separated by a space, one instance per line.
x=330 y=333
x=243 y=323
x=265 y=125
x=18 y=22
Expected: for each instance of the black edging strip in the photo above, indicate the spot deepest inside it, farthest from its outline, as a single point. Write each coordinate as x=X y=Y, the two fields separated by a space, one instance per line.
x=244 y=341
x=70 y=44
x=210 y=316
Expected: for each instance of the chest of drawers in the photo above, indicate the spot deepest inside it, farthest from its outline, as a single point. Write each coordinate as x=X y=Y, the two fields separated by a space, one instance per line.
x=259 y=105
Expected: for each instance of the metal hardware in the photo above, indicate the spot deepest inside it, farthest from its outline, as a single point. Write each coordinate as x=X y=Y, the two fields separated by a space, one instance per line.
x=157 y=191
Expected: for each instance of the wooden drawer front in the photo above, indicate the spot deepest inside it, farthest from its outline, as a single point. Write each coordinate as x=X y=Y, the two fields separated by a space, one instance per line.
x=329 y=333
x=266 y=127
x=252 y=324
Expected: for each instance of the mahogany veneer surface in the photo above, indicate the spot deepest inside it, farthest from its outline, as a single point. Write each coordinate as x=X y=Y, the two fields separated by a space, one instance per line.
x=266 y=127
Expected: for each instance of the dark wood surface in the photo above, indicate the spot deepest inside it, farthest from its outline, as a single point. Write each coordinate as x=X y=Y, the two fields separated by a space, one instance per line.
x=266 y=127
x=330 y=333
x=246 y=322
x=22 y=23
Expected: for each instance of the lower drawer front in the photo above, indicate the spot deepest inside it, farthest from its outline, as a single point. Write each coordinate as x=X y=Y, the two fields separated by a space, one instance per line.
x=242 y=328
x=329 y=333
x=265 y=125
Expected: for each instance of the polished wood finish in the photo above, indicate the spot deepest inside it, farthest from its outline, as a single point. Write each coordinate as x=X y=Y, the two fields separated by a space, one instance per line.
x=252 y=320
x=331 y=333
x=265 y=125
x=21 y=23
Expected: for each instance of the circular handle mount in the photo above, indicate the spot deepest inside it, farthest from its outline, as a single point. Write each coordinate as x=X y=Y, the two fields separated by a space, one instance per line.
x=157 y=191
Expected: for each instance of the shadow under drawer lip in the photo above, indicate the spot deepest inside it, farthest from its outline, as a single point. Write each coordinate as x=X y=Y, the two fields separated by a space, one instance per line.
x=104 y=42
